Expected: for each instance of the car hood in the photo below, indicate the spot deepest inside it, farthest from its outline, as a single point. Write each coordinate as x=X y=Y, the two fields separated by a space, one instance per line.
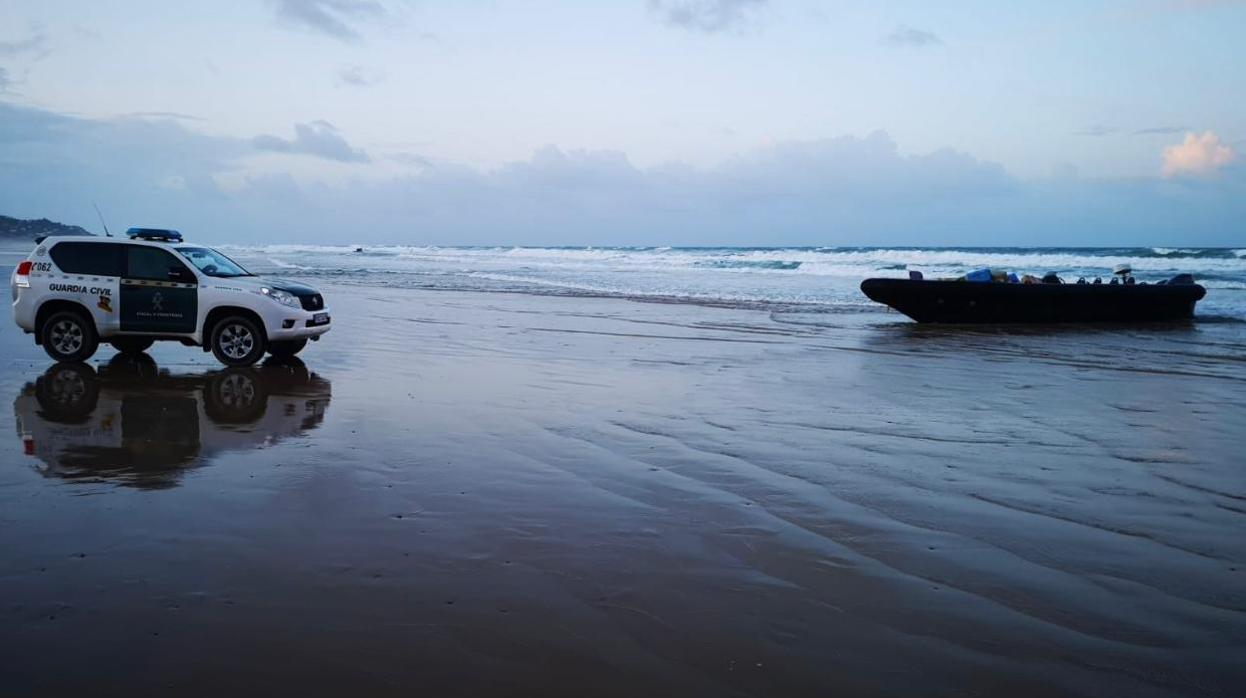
x=294 y=287
x=255 y=283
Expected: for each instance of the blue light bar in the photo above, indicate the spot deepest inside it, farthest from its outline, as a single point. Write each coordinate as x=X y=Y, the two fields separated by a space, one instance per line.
x=154 y=234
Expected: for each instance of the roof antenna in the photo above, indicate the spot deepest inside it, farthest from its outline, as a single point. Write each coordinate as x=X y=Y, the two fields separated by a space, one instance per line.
x=97 y=212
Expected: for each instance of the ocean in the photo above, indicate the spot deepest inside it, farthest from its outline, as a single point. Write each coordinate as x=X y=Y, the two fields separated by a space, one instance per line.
x=820 y=279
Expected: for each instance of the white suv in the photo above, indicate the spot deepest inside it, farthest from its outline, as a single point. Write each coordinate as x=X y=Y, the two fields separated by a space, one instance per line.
x=73 y=292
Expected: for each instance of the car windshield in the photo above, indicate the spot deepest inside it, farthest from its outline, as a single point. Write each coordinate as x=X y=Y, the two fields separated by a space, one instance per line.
x=212 y=263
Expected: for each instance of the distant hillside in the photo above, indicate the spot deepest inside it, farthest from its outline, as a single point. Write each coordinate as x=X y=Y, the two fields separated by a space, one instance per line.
x=18 y=229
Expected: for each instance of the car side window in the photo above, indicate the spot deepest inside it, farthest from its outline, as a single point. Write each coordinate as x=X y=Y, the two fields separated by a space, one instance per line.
x=155 y=264
x=89 y=258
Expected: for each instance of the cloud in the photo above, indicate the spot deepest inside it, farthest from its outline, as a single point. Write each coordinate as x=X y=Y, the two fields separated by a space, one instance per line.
x=1197 y=155
x=35 y=44
x=709 y=16
x=319 y=139
x=336 y=18
x=846 y=188
x=24 y=51
x=161 y=115
x=357 y=76
x=1096 y=131
x=1159 y=130
x=861 y=190
x=1201 y=4
x=60 y=164
x=411 y=159
x=906 y=36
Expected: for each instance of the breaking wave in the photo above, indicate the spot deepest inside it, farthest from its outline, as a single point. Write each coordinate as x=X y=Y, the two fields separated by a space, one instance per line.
x=828 y=275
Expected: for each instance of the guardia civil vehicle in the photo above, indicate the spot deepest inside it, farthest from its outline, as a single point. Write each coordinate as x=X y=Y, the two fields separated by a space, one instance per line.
x=72 y=293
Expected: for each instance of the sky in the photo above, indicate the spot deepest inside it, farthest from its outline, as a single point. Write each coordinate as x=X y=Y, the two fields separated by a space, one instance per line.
x=631 y=122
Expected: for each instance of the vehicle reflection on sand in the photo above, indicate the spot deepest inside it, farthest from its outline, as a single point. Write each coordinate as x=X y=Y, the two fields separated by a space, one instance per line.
x=134 y=424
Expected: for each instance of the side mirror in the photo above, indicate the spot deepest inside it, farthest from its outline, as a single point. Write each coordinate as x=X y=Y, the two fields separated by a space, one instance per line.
x=179 y=274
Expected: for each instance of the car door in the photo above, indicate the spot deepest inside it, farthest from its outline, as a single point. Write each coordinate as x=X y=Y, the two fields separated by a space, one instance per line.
x=159 y=294
x=90 y=273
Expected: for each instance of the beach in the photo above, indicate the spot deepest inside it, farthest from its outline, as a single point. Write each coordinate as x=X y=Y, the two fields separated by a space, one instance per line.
x=462 y=492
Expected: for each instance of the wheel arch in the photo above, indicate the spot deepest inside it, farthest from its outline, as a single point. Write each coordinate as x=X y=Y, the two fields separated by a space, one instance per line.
x=55 y=305
x=220 y=313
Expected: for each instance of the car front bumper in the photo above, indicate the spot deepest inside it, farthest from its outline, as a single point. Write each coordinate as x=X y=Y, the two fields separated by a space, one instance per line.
x=300 y=324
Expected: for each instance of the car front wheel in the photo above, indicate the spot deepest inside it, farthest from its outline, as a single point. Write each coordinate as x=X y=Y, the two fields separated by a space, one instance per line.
x=237 y=341
x=69 y=336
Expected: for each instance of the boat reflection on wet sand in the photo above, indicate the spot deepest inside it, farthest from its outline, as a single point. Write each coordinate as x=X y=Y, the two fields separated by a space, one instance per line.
x=134 y=424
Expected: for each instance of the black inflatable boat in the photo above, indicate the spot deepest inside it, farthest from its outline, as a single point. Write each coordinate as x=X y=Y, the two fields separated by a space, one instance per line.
x=979 y=302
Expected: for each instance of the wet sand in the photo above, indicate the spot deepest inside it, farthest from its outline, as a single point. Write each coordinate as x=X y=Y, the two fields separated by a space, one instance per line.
x=501 y=494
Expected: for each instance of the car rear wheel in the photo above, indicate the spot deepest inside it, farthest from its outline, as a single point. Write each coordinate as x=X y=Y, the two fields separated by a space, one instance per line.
x=131 y=345
x=237 y=341
x=69 y=336
x=286 y=348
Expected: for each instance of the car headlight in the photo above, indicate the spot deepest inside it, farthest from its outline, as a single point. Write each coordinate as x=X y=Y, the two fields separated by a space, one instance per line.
x=282 y=297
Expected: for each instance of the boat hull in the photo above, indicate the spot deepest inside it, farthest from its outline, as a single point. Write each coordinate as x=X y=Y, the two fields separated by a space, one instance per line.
x=998 y=303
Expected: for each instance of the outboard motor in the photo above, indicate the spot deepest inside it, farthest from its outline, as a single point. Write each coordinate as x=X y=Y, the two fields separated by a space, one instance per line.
x=1124 y=272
